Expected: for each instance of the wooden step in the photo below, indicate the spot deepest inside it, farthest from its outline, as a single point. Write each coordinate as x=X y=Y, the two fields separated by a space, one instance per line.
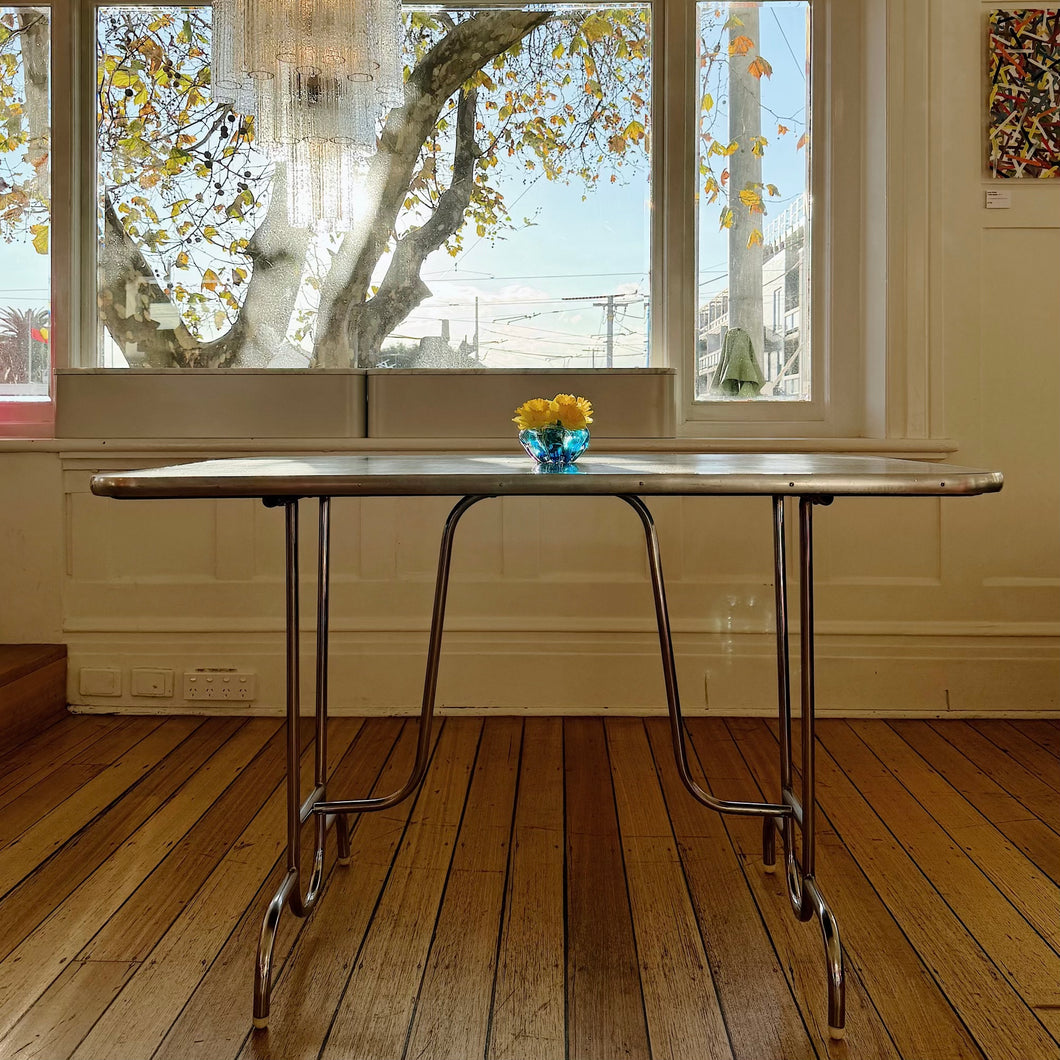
x=32 y=690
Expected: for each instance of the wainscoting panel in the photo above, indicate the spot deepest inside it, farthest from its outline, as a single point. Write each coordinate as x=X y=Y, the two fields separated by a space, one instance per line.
x=550 y=605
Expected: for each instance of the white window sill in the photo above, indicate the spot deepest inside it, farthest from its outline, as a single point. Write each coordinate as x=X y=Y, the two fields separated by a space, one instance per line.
x=913 y=448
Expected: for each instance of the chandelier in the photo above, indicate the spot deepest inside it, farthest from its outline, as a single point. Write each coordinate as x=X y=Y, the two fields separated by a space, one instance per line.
x=317 y=76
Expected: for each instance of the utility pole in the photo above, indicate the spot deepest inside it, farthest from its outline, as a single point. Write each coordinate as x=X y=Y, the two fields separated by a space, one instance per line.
x=745 y=169
x=476 y=328
x=609 y=305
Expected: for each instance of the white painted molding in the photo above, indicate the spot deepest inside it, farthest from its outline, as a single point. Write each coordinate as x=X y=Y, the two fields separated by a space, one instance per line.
x=556 y=673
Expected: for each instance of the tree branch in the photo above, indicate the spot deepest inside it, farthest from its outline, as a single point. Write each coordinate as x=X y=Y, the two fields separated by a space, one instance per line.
x=441 y=72
x=402 y=289
x=129 y=286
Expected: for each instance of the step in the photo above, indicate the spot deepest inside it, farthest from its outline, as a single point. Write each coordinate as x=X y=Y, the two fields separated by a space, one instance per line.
x=32 y=690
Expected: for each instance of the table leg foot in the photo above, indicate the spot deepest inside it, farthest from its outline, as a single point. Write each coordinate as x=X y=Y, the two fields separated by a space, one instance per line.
x=837 y=1034
x=833 y=953
x=769 y=845
x=266 y=941
x=342 y=836
x=261 y=1023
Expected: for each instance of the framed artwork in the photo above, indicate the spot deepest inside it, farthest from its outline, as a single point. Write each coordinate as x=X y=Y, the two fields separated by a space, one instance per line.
x=1024 y=93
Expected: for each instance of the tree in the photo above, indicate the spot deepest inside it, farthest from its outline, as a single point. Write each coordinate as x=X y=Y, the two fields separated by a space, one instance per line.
x=189 y=195
x=192 y=215
x=23 y=345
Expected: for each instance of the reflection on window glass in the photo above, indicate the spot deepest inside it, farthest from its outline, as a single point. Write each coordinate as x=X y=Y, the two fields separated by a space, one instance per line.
x=505 y=218
x=753 y=314
x=25 y=203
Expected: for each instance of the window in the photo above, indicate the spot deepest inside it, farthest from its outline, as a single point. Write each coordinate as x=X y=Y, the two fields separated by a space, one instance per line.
x=542 y=262
x=604 y=252
x=753 y=89
x=25 y=214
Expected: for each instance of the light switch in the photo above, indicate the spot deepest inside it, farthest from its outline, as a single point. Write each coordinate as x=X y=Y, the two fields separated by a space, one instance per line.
x=100 y=681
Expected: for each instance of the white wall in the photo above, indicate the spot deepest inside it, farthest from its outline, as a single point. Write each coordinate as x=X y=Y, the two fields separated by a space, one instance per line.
x=923 y=606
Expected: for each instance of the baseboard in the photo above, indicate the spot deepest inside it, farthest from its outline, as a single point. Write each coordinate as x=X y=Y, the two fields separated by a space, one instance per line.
x=586 y=673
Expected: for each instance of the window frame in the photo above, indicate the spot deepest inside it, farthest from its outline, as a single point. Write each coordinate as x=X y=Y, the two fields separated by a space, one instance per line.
x=35 y=417
x=874 y=373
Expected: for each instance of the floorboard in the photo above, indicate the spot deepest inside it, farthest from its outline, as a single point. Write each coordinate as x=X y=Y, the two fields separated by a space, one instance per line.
x=551 y=892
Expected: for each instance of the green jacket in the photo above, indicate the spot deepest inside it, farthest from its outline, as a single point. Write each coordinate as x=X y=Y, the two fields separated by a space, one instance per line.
x=737 y=373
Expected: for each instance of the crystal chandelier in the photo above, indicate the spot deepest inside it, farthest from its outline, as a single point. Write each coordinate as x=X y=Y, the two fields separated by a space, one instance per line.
x=317 y=76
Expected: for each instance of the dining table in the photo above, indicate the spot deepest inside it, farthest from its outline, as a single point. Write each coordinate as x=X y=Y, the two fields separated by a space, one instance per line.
x=788 y=483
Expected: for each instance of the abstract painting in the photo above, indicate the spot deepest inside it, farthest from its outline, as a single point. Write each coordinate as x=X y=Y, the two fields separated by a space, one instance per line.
x=1024 y=86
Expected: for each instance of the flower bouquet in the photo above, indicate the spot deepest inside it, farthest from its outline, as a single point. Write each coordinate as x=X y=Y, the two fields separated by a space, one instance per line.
x=555 y=433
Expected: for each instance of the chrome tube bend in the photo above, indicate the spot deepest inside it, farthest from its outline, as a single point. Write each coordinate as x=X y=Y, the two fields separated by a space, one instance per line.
x=430 y=681
x=673 y=702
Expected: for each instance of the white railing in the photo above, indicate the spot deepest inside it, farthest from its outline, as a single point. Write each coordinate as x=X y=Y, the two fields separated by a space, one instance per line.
x=792 y=219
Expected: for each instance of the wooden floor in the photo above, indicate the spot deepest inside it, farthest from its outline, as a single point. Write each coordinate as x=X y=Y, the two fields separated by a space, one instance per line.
x=551 y=892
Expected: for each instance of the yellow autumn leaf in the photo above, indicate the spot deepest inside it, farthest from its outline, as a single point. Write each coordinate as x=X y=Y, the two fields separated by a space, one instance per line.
x=740 y=45
x=40 y=238
x=803 y=141
x=726 y=219
x=596 y=27
x=754 y=237
x=708 y=101
x=751 y=199
x=183 y=261
x=210 y=280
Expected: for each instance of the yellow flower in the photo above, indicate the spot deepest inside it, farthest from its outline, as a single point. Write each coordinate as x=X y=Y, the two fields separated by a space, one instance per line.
x=535 y=413
x=575 y=413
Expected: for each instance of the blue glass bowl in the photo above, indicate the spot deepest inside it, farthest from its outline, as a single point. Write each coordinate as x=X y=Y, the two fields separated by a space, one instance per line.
x=554 y=447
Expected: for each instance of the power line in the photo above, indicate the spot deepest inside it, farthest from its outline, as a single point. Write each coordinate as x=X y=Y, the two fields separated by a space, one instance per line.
x=802 y=68
x=450 y=277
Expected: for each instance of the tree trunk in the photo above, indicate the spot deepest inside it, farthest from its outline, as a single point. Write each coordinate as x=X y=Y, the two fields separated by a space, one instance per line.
x=36 y=38
x=353 y=326
x=128 y=286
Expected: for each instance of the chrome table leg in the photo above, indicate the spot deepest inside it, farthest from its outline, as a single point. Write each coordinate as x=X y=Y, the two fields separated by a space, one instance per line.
x=673 y=701
x=805 y=896
x=290 y=892
x=430 y=681
x=803 y=891
x=317 y=805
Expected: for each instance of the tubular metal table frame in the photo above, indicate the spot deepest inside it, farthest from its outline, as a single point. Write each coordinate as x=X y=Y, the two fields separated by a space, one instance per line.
x=811 y=480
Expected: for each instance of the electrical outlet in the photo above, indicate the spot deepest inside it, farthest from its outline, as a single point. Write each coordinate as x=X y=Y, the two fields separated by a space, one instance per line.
x=235 y=685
